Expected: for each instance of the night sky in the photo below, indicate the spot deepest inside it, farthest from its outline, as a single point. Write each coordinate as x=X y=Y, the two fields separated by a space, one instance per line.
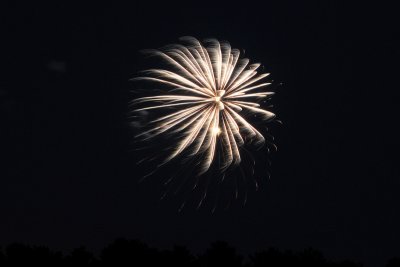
x=68 y=175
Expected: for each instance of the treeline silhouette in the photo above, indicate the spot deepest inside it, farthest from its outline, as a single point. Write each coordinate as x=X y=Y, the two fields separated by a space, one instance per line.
x=124 y=252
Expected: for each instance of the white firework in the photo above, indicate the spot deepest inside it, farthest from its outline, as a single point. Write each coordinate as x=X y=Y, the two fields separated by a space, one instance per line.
x=211 y=91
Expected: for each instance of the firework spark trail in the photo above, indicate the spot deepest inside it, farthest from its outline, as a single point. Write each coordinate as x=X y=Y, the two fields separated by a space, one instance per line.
x=210 y=86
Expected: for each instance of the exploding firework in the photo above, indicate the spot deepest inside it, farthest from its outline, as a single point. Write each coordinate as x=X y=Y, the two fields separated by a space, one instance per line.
x=205 y=103
x=209 y=89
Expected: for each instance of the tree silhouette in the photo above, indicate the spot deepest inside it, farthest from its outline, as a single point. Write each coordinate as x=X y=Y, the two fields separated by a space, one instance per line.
x=81 y=257
x=179 y=257
x=124 y=252
x=345 y=263
x=311 y=258
x=2 y=257
x=220 y=254
x=394 y=262
x=134 y=253
x=23 y=255
x=273 y=257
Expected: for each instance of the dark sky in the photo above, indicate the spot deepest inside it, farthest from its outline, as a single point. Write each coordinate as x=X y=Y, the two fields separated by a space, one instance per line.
x=69 y=177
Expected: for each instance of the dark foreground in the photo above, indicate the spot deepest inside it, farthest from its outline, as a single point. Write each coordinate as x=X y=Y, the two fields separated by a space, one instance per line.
x=124 y=252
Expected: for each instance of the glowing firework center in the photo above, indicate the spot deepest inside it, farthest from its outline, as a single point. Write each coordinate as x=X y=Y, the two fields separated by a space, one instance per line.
x=218 y=99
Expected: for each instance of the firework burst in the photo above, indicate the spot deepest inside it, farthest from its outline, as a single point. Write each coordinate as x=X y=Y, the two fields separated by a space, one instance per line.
x=209 y=93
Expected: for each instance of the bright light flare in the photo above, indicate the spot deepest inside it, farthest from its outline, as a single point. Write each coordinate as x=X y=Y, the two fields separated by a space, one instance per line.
x=216 y=130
